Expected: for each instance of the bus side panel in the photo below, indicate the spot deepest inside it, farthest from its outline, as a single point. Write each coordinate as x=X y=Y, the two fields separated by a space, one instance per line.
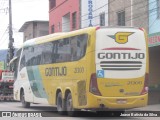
x=75 y=82
x=63 y=77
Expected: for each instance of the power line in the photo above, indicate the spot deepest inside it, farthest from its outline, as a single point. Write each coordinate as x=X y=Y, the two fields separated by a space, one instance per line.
x=114 y=11
x=154 y=9
x=4 y=41
x=127 y=16
x=3 y=33
x=18 y=1
x=2 y=3
x=153 y=22
x=138 y=15
x=3 y=8
x=99 y=8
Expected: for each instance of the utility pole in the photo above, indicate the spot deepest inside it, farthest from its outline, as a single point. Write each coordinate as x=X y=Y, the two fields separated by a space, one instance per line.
x=11 y=39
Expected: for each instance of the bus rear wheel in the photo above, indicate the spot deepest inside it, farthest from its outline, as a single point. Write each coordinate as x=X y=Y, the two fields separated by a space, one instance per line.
x=69 y=106
x=60 y=104
x=24 y=103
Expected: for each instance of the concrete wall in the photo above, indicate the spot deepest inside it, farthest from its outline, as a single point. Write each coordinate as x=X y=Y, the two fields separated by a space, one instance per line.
x=35 y=29
x=28 y=32
x=136 y=12
x=140 y=14
x=116 y=6
x=42 y=29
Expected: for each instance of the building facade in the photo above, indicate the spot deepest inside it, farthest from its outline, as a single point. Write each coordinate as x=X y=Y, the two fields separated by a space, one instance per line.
x=154 y=46
x=94 y=13
x=33 y=29
x=128 y=13
x=64 y=15
x=68 y=15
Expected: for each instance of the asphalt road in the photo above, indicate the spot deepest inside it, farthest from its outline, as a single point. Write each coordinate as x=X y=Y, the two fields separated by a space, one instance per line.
x=45 y=110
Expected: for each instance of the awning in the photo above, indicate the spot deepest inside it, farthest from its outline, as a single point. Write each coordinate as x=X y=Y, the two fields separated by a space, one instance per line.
x=154 y=39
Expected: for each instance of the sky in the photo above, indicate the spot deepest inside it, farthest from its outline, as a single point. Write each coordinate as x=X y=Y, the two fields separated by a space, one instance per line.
x=22 y=11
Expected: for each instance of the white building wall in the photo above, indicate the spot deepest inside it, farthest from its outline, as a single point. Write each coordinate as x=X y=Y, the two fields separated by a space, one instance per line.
x=98 y=7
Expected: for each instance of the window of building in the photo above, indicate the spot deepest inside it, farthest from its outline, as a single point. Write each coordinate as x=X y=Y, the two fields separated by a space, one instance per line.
x=74 y=20
x=35 y=25
x=59 y=26
x=52 y=29
x=52 y=4
x=121 y=18
x=25 y=38
x=102 y=19
x=158 y=9
x=30 y=36
x=66 y=22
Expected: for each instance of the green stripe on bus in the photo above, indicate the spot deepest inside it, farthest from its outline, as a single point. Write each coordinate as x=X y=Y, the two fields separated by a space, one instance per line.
x=36 y=82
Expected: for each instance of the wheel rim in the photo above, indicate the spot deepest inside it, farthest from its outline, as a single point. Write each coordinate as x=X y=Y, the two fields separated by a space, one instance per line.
x=59 y=104
x=22 y=99
x=69 y=103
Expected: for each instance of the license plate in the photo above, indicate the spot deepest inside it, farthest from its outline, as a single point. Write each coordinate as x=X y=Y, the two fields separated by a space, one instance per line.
x=121 y=101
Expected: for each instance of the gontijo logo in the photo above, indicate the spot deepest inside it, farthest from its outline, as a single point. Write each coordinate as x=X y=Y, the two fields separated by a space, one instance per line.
x=121 y=37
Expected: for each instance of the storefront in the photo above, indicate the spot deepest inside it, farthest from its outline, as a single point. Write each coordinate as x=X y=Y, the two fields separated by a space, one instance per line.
x=154 y=53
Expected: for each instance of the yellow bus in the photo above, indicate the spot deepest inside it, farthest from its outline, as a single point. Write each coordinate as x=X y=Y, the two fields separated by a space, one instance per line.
x=95 y=68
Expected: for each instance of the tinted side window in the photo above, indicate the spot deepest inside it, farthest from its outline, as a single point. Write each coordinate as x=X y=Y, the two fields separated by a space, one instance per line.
x=23 y=59
x=33 y=55
x=70 y=49
x=63 y=53
x=55 y=55
x=29 y=56
x=63 y=50
x=78 y=46
x=46 y=54
x=38 y=52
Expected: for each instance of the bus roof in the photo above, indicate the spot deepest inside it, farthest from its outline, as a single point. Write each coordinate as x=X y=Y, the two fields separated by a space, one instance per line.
x=60 y=35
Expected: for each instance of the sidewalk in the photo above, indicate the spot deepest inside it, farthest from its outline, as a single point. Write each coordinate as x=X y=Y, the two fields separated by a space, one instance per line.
x=155 y=107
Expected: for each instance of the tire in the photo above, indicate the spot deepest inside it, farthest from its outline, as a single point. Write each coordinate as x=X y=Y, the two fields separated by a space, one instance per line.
x=60 y=104
x=24 y=103
x=69 y=106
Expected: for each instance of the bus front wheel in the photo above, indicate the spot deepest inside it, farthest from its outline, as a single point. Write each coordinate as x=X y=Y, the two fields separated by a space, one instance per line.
x=24 y=103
